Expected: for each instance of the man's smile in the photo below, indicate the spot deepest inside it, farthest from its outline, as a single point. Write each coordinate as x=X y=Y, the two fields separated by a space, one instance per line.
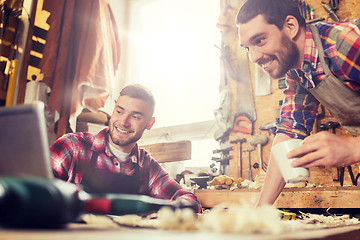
x=123 y=131
x=265 y=64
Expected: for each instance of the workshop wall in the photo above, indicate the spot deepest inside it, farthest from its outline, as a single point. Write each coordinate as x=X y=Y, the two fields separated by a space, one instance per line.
x=267 y=106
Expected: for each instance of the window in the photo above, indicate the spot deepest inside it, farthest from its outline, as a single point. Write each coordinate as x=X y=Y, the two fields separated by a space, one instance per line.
x=172 y=51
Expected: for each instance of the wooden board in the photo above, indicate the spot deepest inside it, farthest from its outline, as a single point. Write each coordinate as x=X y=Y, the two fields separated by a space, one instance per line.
x=170 y=152
x=322 y=197
x=88 y=232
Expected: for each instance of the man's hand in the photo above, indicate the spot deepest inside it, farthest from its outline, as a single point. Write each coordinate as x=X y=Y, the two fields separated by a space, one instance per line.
x=326 y=149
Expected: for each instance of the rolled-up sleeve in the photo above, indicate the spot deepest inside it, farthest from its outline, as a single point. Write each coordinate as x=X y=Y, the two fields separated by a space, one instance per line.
x=298 y=112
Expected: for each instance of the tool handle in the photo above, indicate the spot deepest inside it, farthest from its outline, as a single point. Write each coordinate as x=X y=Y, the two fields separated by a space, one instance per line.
x=122 y=204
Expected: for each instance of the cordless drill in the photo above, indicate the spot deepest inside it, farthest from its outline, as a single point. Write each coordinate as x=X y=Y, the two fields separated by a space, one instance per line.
x=31 y=202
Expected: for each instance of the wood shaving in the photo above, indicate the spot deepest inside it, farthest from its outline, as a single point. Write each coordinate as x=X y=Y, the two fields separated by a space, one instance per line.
x=133 y=220
x=98 y=220
x=180 y=219
x=328 y=221
x=242 y=219
x=224 y=219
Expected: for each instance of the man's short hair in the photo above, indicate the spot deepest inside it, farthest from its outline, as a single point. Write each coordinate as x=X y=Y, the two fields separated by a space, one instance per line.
x=274 y=11
x=140 y=92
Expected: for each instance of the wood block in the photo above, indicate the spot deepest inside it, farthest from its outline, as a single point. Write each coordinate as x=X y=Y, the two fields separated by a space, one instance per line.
x=170 y=152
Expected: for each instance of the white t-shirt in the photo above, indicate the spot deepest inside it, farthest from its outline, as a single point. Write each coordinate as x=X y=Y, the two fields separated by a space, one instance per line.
x=119 y=154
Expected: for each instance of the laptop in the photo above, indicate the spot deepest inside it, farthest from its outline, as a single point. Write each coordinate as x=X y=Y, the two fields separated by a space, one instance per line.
x=24 y=145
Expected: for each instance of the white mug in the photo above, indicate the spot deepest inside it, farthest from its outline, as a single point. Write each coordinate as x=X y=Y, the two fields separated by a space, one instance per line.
x=290 y=174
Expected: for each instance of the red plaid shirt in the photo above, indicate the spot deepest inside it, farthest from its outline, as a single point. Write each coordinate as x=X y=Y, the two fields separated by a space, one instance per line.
x=341 y=43
x=72 y=150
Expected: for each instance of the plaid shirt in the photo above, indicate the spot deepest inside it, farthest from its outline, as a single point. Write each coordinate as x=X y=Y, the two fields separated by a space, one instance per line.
x=75 y=149
x=341 y=43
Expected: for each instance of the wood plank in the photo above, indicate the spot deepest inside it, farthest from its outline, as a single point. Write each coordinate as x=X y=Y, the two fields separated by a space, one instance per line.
x=326 y=197
x=170 y=151
x=321 y=197
x=86 y=232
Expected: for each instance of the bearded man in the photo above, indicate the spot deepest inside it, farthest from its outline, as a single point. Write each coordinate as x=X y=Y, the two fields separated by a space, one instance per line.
x=111 y=161
x=321 y=63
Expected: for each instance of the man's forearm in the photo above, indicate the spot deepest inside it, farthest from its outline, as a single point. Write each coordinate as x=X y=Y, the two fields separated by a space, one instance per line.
x=274 y=182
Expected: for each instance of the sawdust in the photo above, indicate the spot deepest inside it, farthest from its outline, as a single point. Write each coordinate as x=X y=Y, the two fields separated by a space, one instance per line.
x=224 y=219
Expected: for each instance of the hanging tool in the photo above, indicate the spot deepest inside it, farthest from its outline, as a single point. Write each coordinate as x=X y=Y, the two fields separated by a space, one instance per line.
x=331 y=11
x=236 y=69
x=224 y=137
x=334 y=4
x=352 y=177
x=249 y=150
x=325 y=127
x=259 y=140
x=341 y=171
x=223 y=159
x=223 y=151
x=315 y=20
x=243 y=123
x=240 y=142
x=332 y=126
x=270 y=126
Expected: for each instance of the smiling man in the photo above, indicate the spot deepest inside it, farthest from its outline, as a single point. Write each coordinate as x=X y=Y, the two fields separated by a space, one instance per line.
x=111 y=161
x=321 y=63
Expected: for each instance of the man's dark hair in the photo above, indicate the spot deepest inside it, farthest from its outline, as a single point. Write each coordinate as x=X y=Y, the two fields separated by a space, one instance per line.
x=274 y=11
x=140 y=92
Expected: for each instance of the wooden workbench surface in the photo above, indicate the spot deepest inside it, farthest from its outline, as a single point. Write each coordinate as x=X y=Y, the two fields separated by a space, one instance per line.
x=89 y=232
x=316 y=197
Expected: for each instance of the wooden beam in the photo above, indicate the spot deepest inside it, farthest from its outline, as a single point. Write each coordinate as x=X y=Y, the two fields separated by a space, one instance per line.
x=170 y=152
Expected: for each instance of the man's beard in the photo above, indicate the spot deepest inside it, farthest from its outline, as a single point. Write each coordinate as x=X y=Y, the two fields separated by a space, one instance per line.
x=288 y=56
x=124 y=141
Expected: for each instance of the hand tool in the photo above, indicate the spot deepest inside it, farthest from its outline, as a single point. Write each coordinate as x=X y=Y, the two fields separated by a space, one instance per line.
x=33 y=202
x=245 y=103
x=332 y=126
x=223 y=151
x=224 y=137
x=270 y=126
x=330 y=11
x=243 y=123
x=357 y=177
x=304 y=10
x=334 y=4
x=259 y=140
x=224 y=162
x=240 y=141
x=284 y=215
x=315 y=20
x=308 y=12
x=352 y=177
x=249 y=150
x=339 y=175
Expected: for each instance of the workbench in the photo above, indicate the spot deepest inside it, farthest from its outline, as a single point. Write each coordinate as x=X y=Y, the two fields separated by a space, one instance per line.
x=89 y=232
x=306 y=197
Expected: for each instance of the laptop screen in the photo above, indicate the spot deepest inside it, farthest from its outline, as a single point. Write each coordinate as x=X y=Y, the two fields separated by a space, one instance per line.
x=24 y=146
